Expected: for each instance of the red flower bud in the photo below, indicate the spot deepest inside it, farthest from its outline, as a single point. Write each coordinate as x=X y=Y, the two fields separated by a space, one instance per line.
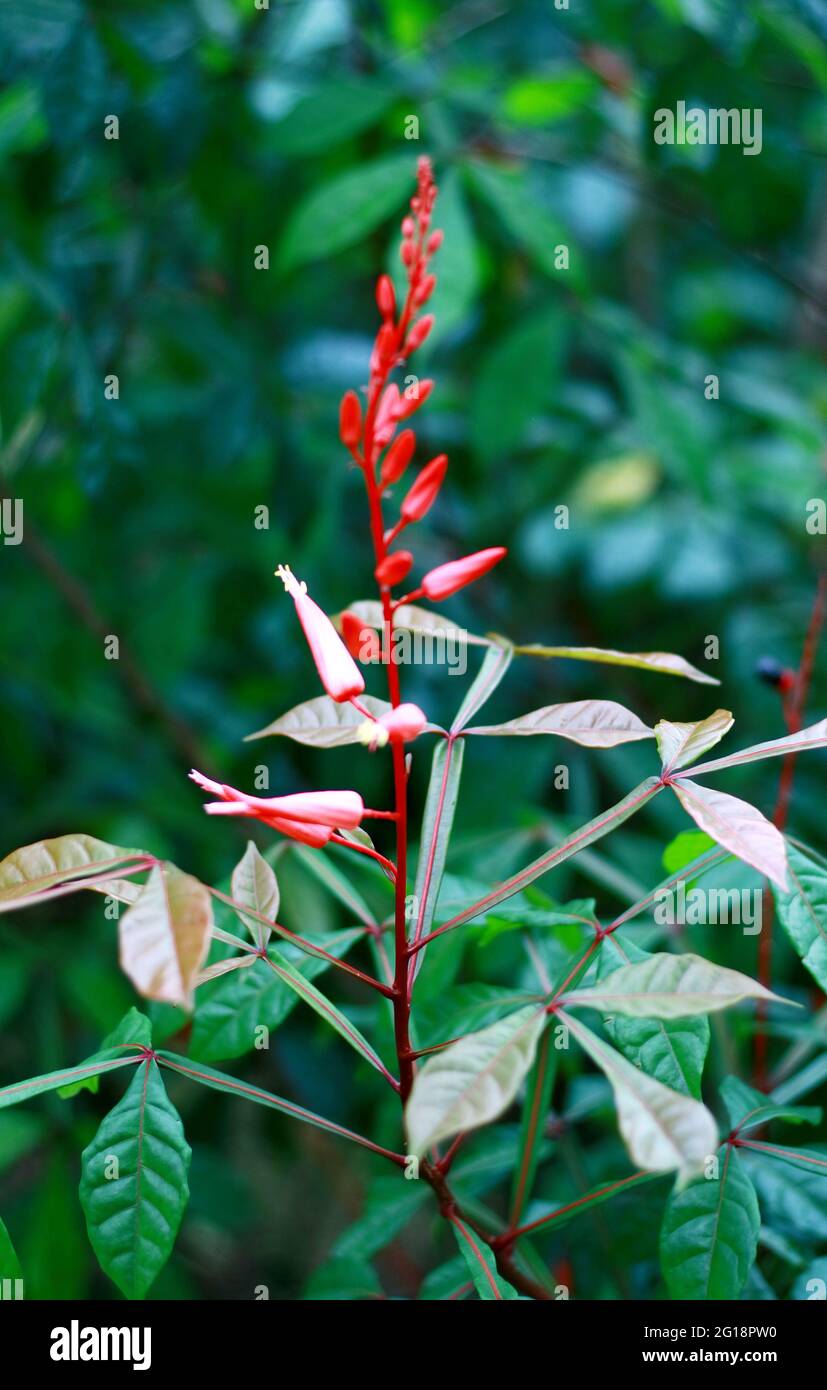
x=394 y=567
x=397 y=458
x=390 y=410
x=422 y=495
x=418 y=397
x=386 y=297
x=426 y=289
x=384 y=348
x=406 y=252
x=350 y=420
x=408 y=226
x=446 y=579
x=418 y=334
x=435 y=240
x=361 y=641
x=399 y=725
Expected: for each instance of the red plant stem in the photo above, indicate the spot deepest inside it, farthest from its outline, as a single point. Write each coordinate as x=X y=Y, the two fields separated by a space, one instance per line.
x=572 y=1206
x=793 y=717
x=365 y=849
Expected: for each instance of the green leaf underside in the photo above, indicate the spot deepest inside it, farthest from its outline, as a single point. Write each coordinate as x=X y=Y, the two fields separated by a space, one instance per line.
x=322 y=722
x=495 y=664
x=668 y=986
x=472 y=1081
x=481 y=1265
x=133 y=1218
x=814 y=736
x=710 y=1234
x=437 y=823
x=737 y=825
x=48 y=863
x=164 y=937
x=220 y=1081
x=681 y=744
x=673 y=1051
x=592 y=723
x=255 y=885
x=665 y=663
x=663 y=1129
x=802 y=909
x=54 y=1080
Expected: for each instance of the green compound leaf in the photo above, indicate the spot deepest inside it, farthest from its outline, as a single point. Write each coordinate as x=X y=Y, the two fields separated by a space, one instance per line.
x=133 y=1188
x=710 y=1234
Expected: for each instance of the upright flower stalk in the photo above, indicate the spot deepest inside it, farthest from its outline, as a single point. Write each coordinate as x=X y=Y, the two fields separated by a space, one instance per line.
x=367 y=435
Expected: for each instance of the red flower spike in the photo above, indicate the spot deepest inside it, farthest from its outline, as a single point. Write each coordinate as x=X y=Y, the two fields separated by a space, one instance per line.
x=385 y=297
x=362 y=642
x=394 y=568
x=397 y=458
x=446 y=579
x=337 y=670
x=423 y=493
x=350 y=420
x=418 y=333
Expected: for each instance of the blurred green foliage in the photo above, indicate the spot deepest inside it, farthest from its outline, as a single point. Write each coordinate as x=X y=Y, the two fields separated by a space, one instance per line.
x=287 y=128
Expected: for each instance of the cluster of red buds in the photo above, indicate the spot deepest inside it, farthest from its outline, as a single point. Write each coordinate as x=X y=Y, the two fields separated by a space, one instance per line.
x=369 y=433
x=383 y=455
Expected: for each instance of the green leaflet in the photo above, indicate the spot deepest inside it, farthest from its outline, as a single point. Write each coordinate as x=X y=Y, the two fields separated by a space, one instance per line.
x=9 y=1263
x=710 y=1233
x=673 y=1050
x=793 y=1194
x=472 y=1081
x=748 y=1108
x=437 y=821
x=133 y=1187
x=54 y=1080
x=135 y=1028
x=228 y=1010
x=481 y=1264
x=342 y=210
x=515 y=383
x=36 y=867
x=347 y=1280
x=532 y=1127
x=802 y=910
x=330 y=113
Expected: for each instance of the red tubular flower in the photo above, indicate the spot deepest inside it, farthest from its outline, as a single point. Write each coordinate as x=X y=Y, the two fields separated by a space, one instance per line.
x=394 y=567
x=422 y=494
x=397 y=458
x=399 y=725
x=307 y=816
x=350 y=420
x=361 y=641
x=337 y=670
x=446 y=579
